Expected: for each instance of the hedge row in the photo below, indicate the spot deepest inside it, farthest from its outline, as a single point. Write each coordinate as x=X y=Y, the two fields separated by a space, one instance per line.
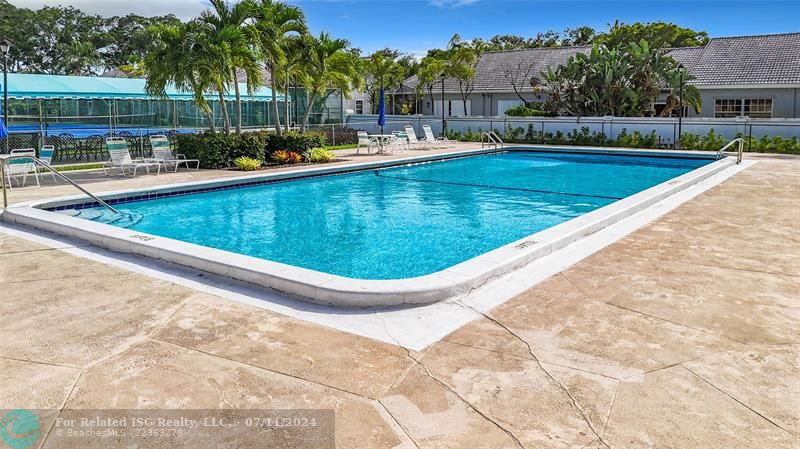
x=709 y=142
x=219 y=150
x=576 y=137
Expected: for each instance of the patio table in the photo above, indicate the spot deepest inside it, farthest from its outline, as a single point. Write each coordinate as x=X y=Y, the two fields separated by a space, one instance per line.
x=381 y=139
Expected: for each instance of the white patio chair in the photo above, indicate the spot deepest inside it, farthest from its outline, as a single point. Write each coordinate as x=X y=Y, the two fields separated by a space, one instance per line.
x=162 y=152
x=400 y=141
x=46 y=157
x=365 y=140
x=413 y=142
x=16 y=168
x=121 y=158
x=429 y=136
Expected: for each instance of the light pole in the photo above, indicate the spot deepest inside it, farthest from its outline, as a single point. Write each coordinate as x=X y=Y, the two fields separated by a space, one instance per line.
x=444 y=125
x=680 y=106
x=5 y=47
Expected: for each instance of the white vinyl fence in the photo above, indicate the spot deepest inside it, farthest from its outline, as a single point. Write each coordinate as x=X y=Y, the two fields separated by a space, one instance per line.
x=665 y=128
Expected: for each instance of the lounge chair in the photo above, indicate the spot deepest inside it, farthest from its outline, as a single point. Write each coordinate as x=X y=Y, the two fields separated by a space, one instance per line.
x=443 y=141
x=162 y=152
x=46 y=157
x=121 y=158
x=413 y=141
x=20 y=167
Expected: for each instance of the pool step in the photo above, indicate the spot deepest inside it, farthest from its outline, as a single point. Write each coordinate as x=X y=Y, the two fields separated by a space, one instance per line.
x=123 y=220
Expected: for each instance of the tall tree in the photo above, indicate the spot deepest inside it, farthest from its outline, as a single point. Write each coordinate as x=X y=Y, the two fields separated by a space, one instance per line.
x=292 y=72
x=681 y=94
x=658 y=34
x=179 y=59
x=329 y=66
x=583 y=35
x=275 y=23
x=519 y=74
x=382 y=69
x=129 y=39
x=462 y=65
x=613 y=81
x=430 y=72
x=229 y=22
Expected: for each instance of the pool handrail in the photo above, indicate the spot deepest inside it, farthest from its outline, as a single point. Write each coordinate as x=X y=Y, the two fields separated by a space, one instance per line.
x=4 y=163
x=492 y=138
x=739 y=151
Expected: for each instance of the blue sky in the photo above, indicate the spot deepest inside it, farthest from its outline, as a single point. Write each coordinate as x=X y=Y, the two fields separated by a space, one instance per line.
x=416 y=25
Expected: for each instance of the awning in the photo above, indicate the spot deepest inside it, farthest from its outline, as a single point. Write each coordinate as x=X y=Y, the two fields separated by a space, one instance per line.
x=45 y=87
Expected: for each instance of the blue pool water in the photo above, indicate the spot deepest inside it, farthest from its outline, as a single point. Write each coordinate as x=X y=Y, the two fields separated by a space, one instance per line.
x=406 y=221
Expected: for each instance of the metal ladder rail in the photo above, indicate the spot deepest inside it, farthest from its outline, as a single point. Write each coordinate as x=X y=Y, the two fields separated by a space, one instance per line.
x=739 y=151
x=36 y=160
x=490 y=139
x=497 y=139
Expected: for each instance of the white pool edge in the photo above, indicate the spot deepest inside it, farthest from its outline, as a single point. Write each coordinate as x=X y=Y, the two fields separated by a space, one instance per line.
x=334 y=290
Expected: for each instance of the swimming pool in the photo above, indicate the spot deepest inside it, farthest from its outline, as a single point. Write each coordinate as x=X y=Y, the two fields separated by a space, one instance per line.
x=404 y=222
x=368 y=231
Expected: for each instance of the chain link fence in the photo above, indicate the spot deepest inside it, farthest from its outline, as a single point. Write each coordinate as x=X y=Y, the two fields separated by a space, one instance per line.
x=87 y=146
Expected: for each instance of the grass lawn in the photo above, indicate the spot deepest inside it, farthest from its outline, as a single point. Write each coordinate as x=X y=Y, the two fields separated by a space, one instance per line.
x=78 y=167
x=340 y=147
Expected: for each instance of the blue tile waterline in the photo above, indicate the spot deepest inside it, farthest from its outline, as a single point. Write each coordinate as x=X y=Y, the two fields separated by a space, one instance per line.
x=404 y=221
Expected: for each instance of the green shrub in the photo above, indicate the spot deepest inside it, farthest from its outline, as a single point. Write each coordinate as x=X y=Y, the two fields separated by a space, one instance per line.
x=245 y=163
x=774 y=144
x=529 y=110
x=294 y=141
x=219 y=150
x=636 y=140
x=710 y=142
x=584 y=136
x=320 y=155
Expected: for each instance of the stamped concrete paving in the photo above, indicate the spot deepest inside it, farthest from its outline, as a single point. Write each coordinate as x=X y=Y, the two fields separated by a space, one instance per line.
x=685 y=334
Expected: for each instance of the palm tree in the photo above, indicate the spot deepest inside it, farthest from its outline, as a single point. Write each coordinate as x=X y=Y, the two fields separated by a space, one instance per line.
x=178 y=59
x=292 y=71
x=329 y=65
x=275 y=25
x=229 y=22
x=691 y=95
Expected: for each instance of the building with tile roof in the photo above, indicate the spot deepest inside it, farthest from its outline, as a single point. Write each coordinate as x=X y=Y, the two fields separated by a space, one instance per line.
x=755 y=76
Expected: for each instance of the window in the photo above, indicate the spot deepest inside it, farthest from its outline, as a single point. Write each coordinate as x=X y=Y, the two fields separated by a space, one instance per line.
x=758 y=108
x=726 y=108
x=735 y=107
x=452 y=108
x=359 y=106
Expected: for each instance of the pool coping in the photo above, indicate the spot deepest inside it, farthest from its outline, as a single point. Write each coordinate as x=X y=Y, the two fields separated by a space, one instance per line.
x=336 y=290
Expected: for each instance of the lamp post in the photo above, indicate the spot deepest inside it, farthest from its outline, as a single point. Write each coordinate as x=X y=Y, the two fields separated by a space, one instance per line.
x=442 y=76
x=680 y=106
x=5 y=47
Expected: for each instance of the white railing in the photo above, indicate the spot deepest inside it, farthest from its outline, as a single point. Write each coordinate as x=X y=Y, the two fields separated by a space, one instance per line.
x=4 y=163
x=739 y=151
x=491 y=138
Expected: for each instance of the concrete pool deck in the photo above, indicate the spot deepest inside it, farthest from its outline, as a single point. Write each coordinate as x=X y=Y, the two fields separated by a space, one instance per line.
x=685 y=334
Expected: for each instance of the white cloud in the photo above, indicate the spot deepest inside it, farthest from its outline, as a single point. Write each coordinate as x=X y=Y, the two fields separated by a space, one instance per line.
x=450 y=4
x=184 y=9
